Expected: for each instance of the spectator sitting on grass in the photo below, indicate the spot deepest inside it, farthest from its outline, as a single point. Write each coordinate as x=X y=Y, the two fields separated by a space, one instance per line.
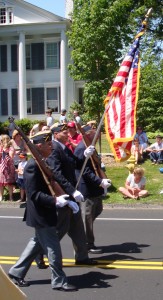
x=135 y=185
x=156 y=151
x=137 y=151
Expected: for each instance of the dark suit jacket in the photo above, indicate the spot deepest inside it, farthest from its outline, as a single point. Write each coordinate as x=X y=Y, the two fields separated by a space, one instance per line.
x=62 y=162
x=89 y=184
x=41 y=209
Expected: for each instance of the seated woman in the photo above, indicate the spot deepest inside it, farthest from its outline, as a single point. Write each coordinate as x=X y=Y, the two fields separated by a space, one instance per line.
x=135 y=185
x=137 y=151
x=142 y=137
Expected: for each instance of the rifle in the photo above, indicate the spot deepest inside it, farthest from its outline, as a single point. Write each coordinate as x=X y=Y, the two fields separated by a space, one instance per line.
x=54 y=187
x=95 y=160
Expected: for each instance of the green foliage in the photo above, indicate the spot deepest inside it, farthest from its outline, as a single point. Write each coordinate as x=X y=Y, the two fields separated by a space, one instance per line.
x=152 y=135
x=3 y=128
x=75 y=106
x=24 y=124
x=99 y=33
x=150 y=104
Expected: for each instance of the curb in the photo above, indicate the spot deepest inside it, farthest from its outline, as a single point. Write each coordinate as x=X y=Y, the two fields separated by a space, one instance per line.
x=7 y=204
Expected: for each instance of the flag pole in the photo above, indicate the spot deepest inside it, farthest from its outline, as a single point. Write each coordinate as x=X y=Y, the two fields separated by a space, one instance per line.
x=106 y=108
x=93 y=142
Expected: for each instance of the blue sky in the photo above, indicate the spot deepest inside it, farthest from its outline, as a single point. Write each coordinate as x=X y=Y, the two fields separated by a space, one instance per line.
x=55 y=6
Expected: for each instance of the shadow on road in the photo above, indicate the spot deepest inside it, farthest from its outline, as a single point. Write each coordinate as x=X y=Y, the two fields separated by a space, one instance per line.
x=88 y=280
x=92 y=279
x=124 y=248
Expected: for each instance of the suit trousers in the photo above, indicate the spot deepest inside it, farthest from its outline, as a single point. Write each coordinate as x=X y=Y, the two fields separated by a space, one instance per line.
x=46 y=239
x=91 y=209
x=72 y=224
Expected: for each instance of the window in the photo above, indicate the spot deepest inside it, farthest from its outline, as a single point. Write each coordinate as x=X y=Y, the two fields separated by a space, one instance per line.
x=81 y=94
x=6 y=15
x=29 y=102
x=52 y=55
x=14 y=101
x=3 y=102
x=28 y=57
x=3 y=15
x=3 y=58
x=14 y=58
x=52 y=99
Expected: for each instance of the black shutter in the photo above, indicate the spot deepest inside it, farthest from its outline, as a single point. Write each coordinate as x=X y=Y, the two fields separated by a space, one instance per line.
x=3 y=58
x=37 y=51
x=14 y=58
x=38 y=101
x=14 y=102
x=4 y=102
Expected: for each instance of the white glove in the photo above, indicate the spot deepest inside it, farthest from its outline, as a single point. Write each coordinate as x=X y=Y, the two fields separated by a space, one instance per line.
x=105 y=183
x=78 y=196
x=73 y=205
x=61 y=201
x=89 y=151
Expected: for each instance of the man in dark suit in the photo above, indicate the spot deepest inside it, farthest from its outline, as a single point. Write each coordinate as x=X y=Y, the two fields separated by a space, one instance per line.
x=92 y=187
x=63 y=163
x=41 y=214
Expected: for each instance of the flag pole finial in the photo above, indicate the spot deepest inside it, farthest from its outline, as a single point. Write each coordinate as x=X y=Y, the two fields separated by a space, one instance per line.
x=149 y=12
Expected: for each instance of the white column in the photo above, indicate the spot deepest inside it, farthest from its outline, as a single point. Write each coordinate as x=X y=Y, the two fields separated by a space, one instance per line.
x=22 y=77
x=63 y=68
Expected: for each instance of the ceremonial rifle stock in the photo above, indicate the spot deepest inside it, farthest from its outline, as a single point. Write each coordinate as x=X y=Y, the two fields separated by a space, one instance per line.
x=96 y=162
x=54 y=187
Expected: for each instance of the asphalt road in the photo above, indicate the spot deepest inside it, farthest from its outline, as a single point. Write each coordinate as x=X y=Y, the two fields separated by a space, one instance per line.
x=130 y=267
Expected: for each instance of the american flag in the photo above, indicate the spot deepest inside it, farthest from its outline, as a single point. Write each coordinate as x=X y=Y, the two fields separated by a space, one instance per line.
x=121 y=103
x=4 y=160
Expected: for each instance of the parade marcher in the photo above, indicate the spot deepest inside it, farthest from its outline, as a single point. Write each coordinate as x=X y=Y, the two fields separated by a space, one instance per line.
x=41 y=214
x=62 y=163
x=92 y=187
x=74 y=138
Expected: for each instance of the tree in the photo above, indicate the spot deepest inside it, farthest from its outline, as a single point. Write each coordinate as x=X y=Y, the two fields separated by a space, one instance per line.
x=100 y=30
x=150 y=104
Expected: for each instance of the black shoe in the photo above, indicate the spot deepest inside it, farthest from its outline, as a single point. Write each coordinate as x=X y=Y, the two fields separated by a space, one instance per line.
x=19 y=281
x=95 y=250
x=41 y=265
x=66 y=288
x=86 y=261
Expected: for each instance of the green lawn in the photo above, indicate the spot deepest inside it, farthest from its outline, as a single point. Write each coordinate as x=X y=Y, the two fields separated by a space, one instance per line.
x=118 y=175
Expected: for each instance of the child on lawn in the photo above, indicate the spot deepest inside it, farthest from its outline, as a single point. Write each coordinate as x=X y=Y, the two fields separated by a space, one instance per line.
x=135 y=185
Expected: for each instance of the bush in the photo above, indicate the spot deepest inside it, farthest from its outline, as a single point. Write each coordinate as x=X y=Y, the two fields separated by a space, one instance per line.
x=152 y=135
x=24 y=124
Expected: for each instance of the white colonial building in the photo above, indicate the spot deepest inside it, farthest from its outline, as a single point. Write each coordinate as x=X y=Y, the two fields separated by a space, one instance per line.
x=33 y=62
